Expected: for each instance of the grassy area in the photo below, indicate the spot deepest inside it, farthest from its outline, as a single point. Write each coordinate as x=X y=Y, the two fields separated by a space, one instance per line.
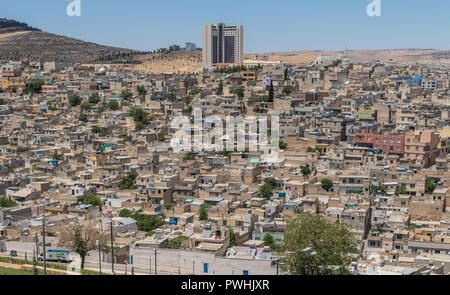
x=16 y=272
x=93 y=273
x=30 y=262
x=49 y=265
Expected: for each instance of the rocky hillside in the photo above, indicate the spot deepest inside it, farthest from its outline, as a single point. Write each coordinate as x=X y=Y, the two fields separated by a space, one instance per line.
x=19 y=41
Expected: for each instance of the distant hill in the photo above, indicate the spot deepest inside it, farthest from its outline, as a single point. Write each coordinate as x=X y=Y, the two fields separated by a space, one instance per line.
x=20 y=41
x=431 y=57
x=11 y=26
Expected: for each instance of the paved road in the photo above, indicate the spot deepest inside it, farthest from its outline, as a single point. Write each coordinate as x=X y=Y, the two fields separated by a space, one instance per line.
x=91 y=263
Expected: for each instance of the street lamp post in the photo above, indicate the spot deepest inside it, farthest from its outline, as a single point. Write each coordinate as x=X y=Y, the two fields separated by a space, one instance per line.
x=156 y=272
x=43 y=240
x=112 y=247
x=309 y=253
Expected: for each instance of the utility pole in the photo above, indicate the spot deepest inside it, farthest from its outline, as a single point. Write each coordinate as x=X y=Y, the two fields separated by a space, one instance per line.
x=112 y=248
x=100 y=248
x=45 y=253
x=37 y=244
x=179 y=269
x=193 y=267
x=150 y=263
x=155 y=264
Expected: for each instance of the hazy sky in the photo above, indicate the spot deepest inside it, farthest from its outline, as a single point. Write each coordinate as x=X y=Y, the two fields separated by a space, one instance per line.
x=268 y=25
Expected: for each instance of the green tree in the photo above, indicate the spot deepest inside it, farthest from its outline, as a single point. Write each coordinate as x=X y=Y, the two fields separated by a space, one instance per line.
x=187 y=99
x=172 y=96
x=400 y=190
x=219 y=90
x=85 y=106
x=287 y=90
x=93 y=200
x=141 y=90
x=98 y=130
x=233 y=237
x=271 y=92
x=226 y=154
x=129 y=181
x=33 y=87
x=177 y=242
x=430 y=186
x=75 y=100
x=125 y=213
x=271 y=181
x=194 y=92
x=126 y=95
x=379 y=227
x=113 y=105
x=327 y=184
x=83 y=117
x=332 y=242
x=270 y=241
x=169 y=206
x=189 y=156
x=94 y=98
x=139 y=125
x=306 y=170
x=203 y=213
x=265 y=191
x=147 y=223
x=7 y=202
x=381 y=189
x=239 y=92
x=283 y=145
x=57 y=156
x=140 y=117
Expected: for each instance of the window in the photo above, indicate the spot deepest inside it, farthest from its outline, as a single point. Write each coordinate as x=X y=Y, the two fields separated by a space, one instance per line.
x=245 y=272
x=205 y=267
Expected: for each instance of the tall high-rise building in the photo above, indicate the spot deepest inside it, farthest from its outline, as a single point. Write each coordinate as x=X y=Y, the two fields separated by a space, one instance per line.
x=222 y=44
